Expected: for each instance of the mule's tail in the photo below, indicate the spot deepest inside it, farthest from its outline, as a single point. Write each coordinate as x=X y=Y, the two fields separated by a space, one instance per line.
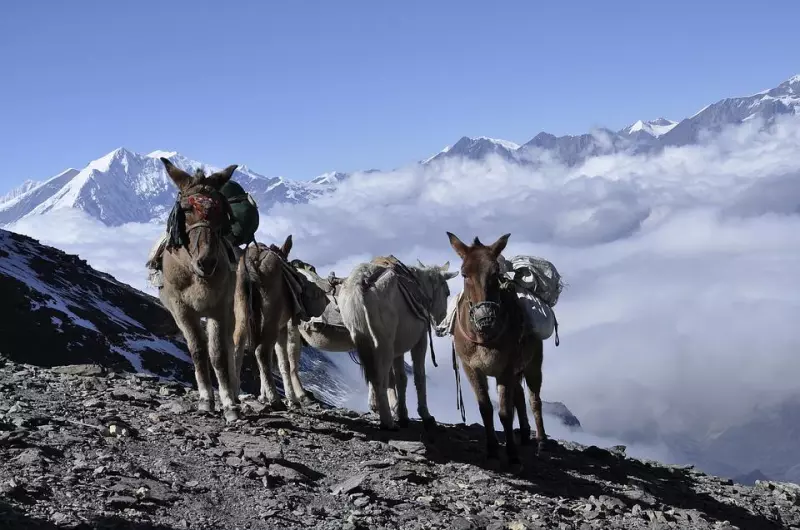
x=353 y=302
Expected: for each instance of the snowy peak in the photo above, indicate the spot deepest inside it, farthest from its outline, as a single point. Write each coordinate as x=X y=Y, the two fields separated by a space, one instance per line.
x=123 y=186
x=476 y=149
x=654 y=128
x=22 y=189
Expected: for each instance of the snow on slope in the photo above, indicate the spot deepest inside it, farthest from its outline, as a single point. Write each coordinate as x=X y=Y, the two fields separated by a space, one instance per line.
x=654 y=128
x=23 y=188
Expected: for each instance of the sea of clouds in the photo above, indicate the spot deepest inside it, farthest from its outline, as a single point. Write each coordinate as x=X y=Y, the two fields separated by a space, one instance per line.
x=680 y=316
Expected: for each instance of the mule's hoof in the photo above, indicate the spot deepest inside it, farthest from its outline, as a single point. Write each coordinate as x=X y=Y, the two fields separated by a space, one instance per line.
x=525 y=437
x=403 y=423
x=429 y=423
x=515 y=466
x=278 y=406
x=309 y=399
x=543 y=446
x=205 y=405
x=232 y=414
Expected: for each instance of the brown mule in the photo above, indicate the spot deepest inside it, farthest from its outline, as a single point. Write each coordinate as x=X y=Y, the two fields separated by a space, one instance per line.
x=489 y=339
x=199 y=281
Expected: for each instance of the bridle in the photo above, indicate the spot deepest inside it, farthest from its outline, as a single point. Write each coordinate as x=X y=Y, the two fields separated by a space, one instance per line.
x=207 y=206
x=493 y=314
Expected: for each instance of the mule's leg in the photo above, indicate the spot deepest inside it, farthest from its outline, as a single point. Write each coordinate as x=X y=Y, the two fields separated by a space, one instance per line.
x=418 y=361
x=522 y=415
x=533 y=378
x=218 y=339
x=505 y=394
x=264 y=353
x=240 y=328
x=480 y=385
x=391 y=391
x=192 y=330
x=282 y=353
x=384 y=355
x=373 y=401
x=294 y=343
x=401 y=383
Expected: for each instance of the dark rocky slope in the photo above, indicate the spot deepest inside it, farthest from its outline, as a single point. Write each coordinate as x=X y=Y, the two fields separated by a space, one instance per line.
x=55 y=309
x=82 y=448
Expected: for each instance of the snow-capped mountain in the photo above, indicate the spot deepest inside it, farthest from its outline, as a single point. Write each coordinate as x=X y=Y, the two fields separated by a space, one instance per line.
x=639 y=137
x=123 y=187
x=654 y=128
x=23 y=188
x=476 y=149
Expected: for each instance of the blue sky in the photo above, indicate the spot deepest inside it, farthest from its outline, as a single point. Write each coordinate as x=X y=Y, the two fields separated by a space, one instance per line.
x=300 y=88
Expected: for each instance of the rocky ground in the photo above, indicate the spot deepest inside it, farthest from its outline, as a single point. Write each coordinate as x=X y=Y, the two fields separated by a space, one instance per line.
x=83 y=448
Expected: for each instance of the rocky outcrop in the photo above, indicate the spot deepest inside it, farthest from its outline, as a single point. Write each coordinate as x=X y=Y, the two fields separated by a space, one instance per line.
x=83 y=447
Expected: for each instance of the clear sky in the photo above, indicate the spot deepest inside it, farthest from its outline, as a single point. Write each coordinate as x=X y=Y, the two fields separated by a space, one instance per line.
x=297 y=88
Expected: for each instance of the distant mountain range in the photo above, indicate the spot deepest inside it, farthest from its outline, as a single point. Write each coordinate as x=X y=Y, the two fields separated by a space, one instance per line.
x=123 y=186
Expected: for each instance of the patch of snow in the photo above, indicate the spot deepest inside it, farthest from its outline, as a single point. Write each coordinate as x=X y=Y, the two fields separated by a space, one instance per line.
x=655 y=128
x=162 y=154
x=503 y=143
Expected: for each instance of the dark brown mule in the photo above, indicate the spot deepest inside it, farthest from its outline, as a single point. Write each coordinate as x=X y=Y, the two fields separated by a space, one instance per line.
x=489 y=339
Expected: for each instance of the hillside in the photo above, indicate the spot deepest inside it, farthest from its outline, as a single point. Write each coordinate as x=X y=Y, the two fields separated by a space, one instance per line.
x=84 y=448
x=58 y=310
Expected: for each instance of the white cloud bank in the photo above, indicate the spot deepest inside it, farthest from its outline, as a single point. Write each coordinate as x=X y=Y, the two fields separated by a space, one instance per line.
x=684 y=292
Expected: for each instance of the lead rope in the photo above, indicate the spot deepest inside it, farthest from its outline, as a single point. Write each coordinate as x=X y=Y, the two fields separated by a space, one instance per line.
x=430 y=341
x=558 y=341
x=459 y=395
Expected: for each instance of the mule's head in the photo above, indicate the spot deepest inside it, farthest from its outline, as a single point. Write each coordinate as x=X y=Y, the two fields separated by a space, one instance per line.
x=205 y=211
x=435 y=279
x=481 y=272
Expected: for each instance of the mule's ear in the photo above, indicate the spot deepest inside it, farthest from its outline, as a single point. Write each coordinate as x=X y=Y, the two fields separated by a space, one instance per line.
x=450 y=275
x=287 y=246
x=458 y=245
x=445 y=267
x=178 y=176
x=218 y=179
x=422 y=265
x=497 y=247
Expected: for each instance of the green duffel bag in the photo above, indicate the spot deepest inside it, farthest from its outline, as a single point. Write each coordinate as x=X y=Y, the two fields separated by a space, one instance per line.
x=245 y=213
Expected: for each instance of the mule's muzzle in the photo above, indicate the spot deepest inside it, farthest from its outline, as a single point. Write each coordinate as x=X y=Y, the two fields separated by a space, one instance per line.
x=486 y=318
x=205 y=266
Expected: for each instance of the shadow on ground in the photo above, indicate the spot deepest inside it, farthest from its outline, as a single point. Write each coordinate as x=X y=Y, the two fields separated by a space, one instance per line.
x=569 y=470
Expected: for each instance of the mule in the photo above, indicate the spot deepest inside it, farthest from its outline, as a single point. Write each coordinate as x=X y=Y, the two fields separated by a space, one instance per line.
x=490 y=340
x=198 y=280
x=335 y=339
x=266 y=313
x=383 y=326
x=329 y=337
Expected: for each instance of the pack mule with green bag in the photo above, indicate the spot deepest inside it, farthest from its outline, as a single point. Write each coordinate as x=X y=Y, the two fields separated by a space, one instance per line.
x=243 y=225
x=244 y=211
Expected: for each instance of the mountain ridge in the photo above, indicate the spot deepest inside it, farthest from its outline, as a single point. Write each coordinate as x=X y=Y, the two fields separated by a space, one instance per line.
x=123 y=186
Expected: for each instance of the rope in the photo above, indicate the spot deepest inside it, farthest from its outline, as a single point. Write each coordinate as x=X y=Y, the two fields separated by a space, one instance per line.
x=558 y=341
x=354 y=357
x=430 y=341
x=459 y=395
